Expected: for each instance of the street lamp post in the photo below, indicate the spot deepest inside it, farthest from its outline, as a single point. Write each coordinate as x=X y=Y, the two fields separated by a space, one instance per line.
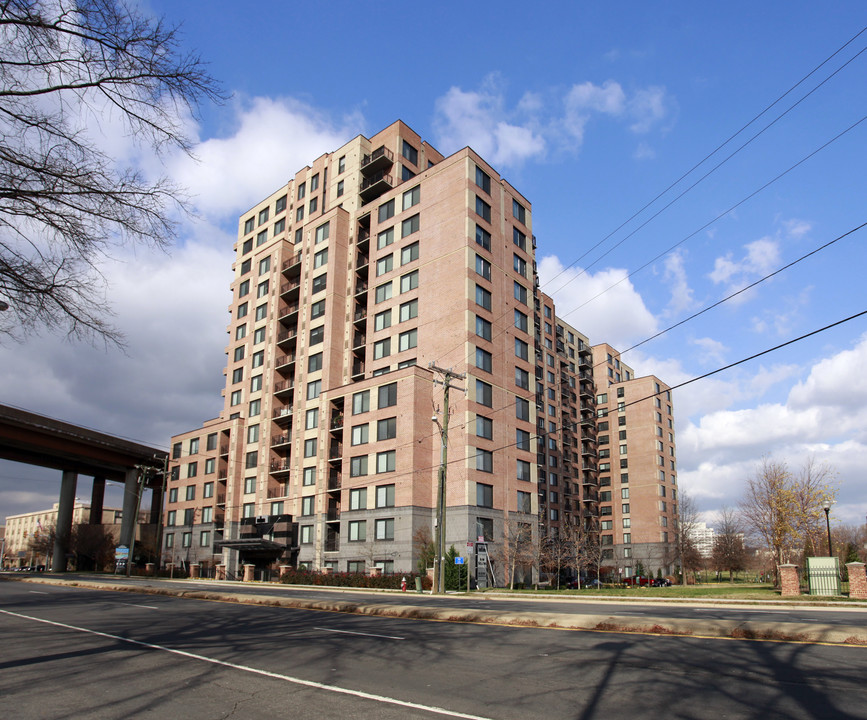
x=826 y=506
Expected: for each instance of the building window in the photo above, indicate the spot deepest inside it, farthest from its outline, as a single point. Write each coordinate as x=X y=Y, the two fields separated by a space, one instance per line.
x=520 y=265
x=248 y=510
x=382 y=293
x=358 y=532
x=387 y=395
x=483 y=267
x=520 y=293
x=340 y=188
x=258 y=358
x=409 y=152
x=484 y=360
x=244 y=288
x=358 y=499
x=384 y=529
x=249 y=225
x=519 y=212
x=207 y=490
x=484 y=460
x=187 y=539
x=306 y=534
x=483 y=297
x=519 y=239
x=522 y=349
x=521 y=321
x=314 y=204
x=262 y=289
x=409 y=253
x=317 y=309
x=235 y=398
x=386 y=211
x=483 y=180
x=382 y=320
x=411 y=197
x=484 y=393
x=484 y=495
x=483 y=328
x=310 y=447
x=522 y=378
x=171 y=517
x=484 y=427
x=385 y=238
x=522 y=408
x=483 y=210
x=409 y=226
x=360 y=434
x=249 y=485
x=277 y=507
x=385 y=461
x=314 y=388
x=317 y=335
x=409 y=281
x=307 y=505
x=523 y=469
x=318 y=284
x=384 y=265
x=361 y=402
x=242 y=310
x=358 y=466
x=483 y=237
x=385 y=496
x=381 y=349
x=409 y=310
x=255 y=408
x=522 y=439
x=320 y=258
x=386 y=429
x=308 y=476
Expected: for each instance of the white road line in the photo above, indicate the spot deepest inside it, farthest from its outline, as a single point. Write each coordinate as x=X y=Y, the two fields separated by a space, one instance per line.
x=148 y=607
x=256 y=671
x=37 y=592
x=351 y=632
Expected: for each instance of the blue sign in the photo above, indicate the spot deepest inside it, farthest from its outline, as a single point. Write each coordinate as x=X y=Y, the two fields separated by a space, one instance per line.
x=459 y=561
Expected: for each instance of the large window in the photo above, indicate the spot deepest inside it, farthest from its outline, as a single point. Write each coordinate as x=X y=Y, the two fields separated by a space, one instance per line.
x=358 y=531
x=385 y=238
x=386 y=429
x=412 y=197
x=483 y=210
x=409 y=281
x=519 y=212
x=358 y=466
x=483 y=237
x=387 y=395
x=320 y=258
x=522 y=409
x=523 y=472
x=360 y=434
x=483 y=267
x=383 y=292
x=381 y=348
x=384 y=265
x=484 y=360
x=484 y=393
x=483 y=328
x=483 y=297
x=409 y=226
x=386 y=211
x=361 y=402
x=382 y=320
x=483 y=180
x=322 y=233
x=408 y=310
x=522 y=439
x=522 y=349
x=484 y=495
x=385 y=496
x=484 y=427
x=409 y=253
x=358 y=499
x=384 y=529
x=522 y=378
x=484 y=460
x=520 y=293
x=407 y=340
x=409 y=152
x=318 y=284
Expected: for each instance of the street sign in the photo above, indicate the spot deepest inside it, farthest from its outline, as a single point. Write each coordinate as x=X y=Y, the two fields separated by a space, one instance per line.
x=459 y=561
x=121 y=552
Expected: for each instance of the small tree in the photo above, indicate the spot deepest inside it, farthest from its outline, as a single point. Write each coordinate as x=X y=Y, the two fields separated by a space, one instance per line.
x=42 y=542
x=687 y=524
x=454 y=576
x=425 y=549
x=93 y=546
x=728 y=547
x=517 y=550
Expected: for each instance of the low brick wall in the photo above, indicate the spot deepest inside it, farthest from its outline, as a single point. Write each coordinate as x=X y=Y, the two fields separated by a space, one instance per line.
x=789 y=580
x=857 y=580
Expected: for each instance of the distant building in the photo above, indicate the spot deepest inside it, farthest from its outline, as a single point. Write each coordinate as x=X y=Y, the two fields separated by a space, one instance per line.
x=703 y=538
x=355 y=285
x=22 y=530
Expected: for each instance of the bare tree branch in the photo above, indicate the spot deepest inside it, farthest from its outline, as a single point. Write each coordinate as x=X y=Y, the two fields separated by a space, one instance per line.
x=67 y=66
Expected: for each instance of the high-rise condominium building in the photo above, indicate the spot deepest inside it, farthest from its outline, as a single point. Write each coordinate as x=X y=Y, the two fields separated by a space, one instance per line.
x=362 y=287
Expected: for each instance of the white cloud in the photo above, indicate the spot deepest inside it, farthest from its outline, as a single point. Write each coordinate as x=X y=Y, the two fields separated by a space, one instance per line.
x=675 y=275
x=272 y=138
x=604 y=305
x=713 y=351
x=476 y=119
x=648 y=108
x=797 y=228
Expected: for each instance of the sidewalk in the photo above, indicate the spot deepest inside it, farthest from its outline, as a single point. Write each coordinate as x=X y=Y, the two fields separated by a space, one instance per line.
x=810 y=632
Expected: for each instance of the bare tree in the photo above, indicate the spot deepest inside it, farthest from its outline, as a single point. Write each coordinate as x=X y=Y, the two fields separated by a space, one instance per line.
x=93 y=546
x=68 y=68
x=687 y=524
x=729 y=553
x=781 y=509
x=517 y=550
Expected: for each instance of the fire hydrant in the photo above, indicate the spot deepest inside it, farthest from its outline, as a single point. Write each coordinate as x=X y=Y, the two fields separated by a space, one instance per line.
x=403 y=584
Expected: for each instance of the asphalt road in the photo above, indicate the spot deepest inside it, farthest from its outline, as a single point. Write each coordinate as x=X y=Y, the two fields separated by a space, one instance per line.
x=72 y=652
x=840 y=615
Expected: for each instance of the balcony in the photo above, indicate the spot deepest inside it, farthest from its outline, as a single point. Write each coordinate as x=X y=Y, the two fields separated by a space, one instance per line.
x=335 y=480
x=277 y=492
x=360 y=315
x=357 y=370
x=282 y=415
x=335 y=451
x=284 y=387
x=332 y=514
x=375 y=185
x=293 y=264
x=281 y=440
x=332 y=543
x=221 y=498
x=287 y=337
x=290 y=288
x=358 y=340
x=280 y=466
x=361 y=287
x=377 y=161
x=283 y=362
x=290 y=314
x=337 y=422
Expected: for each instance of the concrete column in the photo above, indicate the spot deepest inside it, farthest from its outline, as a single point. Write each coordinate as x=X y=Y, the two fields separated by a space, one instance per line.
x=97 y=494
x=857 y=580
x=789 y=580
x=156 y=505
x=63 y=527
x=130 y=502
x=221 y=572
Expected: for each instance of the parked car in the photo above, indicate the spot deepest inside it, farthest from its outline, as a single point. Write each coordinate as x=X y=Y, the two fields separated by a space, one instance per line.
x=637 y=580
x=661 y=582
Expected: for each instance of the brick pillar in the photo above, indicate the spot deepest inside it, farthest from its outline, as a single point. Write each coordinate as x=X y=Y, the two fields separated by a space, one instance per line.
x=857 y=580
x=284 y=569
x=248 y=573
x=150 y=569
x=790 y=580
x=221 y=572
x=194 y=570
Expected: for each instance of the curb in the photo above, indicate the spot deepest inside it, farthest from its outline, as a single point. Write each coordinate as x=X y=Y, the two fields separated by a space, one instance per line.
x=741 y=630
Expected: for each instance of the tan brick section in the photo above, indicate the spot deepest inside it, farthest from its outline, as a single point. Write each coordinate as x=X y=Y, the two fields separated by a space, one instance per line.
x=789 y=580
x=857 y=580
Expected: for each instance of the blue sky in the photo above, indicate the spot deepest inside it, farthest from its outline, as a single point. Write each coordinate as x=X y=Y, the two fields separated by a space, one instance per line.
x=591 y=112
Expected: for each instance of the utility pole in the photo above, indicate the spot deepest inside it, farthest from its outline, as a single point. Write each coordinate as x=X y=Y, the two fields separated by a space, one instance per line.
x=439 y=574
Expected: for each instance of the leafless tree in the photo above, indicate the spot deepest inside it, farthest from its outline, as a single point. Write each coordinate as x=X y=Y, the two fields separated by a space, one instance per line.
x=517 y=550
x=729 y=553
x=687 y=524
x=69 y=70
